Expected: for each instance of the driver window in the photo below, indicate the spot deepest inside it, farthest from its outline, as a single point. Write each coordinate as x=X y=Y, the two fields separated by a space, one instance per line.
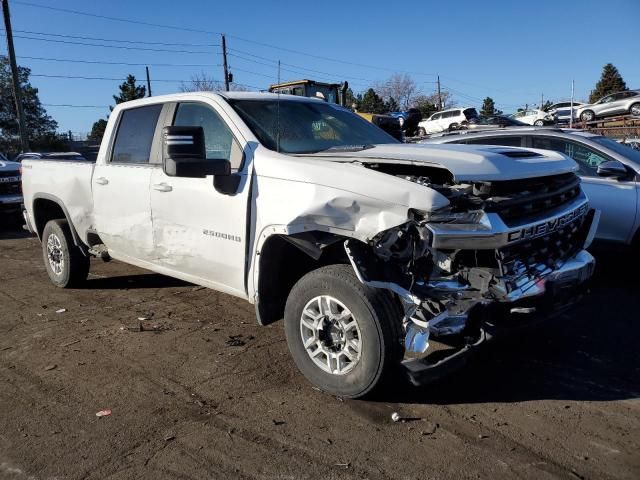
x=587 y=159
x=219 y=141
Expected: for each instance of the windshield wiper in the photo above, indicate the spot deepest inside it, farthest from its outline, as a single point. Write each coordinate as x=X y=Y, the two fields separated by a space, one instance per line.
x=347 y=148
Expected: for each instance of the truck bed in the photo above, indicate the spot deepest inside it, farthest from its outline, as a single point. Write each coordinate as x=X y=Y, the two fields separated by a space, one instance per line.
x=68 y=182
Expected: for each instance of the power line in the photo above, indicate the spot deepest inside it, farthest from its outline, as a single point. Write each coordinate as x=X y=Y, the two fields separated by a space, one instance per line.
x=122 y=47
x=152 y=64
x=102 y=78
x=116 y=19
x=117 y=40
x=73 y=106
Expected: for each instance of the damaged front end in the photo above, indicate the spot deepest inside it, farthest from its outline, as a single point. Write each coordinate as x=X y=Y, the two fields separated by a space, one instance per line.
x=500 y=255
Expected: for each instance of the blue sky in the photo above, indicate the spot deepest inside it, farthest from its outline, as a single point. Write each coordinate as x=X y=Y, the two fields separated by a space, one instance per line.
x=513 y=51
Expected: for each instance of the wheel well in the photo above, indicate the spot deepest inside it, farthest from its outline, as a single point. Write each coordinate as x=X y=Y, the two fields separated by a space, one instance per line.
x=283 y=263
x=45 y=210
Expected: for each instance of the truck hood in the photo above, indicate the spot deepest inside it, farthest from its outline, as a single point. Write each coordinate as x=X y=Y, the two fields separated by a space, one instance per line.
x=9 y=166
x=467 y=162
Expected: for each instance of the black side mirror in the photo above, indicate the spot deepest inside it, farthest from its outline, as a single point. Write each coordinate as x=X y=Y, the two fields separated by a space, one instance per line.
x=612 y=168
x=184 y=154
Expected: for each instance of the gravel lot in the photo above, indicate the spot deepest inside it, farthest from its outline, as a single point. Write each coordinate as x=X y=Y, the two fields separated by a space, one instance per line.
x=204 y=392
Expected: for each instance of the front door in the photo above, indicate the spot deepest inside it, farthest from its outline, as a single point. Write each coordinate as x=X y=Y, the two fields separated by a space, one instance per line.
x=121 y=185
x=200 y=233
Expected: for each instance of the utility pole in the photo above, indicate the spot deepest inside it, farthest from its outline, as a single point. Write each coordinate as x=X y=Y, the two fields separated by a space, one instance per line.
x=224 y=59
x=541 y=100
x=439 y=95
x=148 y=83
x=17 y=93
x=571 y=117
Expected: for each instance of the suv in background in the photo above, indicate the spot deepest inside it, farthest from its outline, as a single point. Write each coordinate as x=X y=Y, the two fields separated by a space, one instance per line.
x=610 y=172
x=534 y=117
x=562 y=112
x=447 y=120
x=619 y=103
x=10 y=190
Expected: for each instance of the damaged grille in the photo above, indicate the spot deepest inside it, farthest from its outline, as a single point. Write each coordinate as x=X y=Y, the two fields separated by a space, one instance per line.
x=520 y=199
x=550 y=250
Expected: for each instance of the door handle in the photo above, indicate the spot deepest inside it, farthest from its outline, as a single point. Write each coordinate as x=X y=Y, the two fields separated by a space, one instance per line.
x=162 y=187
x=102 y=181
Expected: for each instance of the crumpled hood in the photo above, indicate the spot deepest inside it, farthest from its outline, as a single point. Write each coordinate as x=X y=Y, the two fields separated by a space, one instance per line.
x=9 y=166
x=467 y=162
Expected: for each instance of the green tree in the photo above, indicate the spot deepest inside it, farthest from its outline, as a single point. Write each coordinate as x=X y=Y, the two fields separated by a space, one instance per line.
x=97 y=131
x=41 y=128
x=129 y=91
x=547 y=105
x=610 y=82
x=391 y=105
x=371 y=102
x=489 y=108
x=426 y=105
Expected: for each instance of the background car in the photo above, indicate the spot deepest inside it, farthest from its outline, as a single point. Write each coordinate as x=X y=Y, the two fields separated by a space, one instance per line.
x=562 y=111
x=10 y=191
x=408 y=121
x=491 y=123
x=619 y=103
x=447 y=120
x=610 y=172
x=50 y=156
x=533 y=116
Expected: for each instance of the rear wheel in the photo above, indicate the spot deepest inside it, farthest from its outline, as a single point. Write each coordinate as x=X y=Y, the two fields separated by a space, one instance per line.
x=343 y=335
x=453 y=127
x=422 y=132
x=66 y=265
x=538 y=123
x=635 y=109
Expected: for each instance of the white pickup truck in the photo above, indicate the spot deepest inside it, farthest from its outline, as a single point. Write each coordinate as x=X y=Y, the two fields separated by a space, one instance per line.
x=382 y=257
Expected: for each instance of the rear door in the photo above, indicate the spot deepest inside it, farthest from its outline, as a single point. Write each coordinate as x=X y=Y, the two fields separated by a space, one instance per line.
x=120 y=185
x=616 y=199
x=200 y=231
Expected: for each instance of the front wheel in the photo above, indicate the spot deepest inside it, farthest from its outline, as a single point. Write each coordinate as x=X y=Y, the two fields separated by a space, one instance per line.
x=587 y=116
x=66 y=265
x=343 y=335
x=635 y=109
x=422 y=132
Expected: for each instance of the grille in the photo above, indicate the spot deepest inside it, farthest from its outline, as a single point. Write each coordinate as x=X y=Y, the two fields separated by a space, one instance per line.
x=517 y=200
x=550 y=250
x=14 y=173
x=13 y=188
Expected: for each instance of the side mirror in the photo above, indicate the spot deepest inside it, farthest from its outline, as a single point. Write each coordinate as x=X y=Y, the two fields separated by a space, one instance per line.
x=612 y=168
x=184 y=154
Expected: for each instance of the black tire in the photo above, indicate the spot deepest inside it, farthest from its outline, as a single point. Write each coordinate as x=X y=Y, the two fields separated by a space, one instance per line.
x=635 y=109
x=378 y=318
x=70 y=267
x=538 y=123
x=453 y=127
x=422 y=132
x=587 y=116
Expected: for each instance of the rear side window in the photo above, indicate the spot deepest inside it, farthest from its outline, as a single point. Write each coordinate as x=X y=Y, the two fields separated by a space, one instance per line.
x=511 y=141
x=586 y=158
x=135 y=134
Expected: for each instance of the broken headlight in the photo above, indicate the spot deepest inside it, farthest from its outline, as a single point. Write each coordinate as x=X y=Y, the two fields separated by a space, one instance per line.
x=473 y=217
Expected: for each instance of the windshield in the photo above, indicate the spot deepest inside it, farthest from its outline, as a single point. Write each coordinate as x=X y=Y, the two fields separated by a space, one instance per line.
x=625 y=150
x=307 y=127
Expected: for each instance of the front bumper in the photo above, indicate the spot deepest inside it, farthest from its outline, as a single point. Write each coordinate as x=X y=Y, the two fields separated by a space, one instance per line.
x=10 y=204
x=550 y=297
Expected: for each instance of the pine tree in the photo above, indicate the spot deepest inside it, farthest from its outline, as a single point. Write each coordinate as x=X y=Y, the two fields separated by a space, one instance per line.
x=129 y=91
x=371 y=102
x=610 y=82
x=489 y=108
x=97 y=131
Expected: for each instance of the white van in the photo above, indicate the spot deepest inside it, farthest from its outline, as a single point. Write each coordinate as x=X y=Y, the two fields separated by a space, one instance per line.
x=446 y=120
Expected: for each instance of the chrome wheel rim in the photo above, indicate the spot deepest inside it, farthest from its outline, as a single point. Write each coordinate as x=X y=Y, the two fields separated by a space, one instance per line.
x=330 y=335
x=635 y=110
x=55 y=254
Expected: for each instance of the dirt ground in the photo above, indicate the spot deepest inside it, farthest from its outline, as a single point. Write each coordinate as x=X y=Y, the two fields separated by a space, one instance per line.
x=210 y=394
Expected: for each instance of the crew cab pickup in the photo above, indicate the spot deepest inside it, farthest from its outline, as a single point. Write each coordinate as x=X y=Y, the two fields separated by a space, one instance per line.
x=377 y=254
